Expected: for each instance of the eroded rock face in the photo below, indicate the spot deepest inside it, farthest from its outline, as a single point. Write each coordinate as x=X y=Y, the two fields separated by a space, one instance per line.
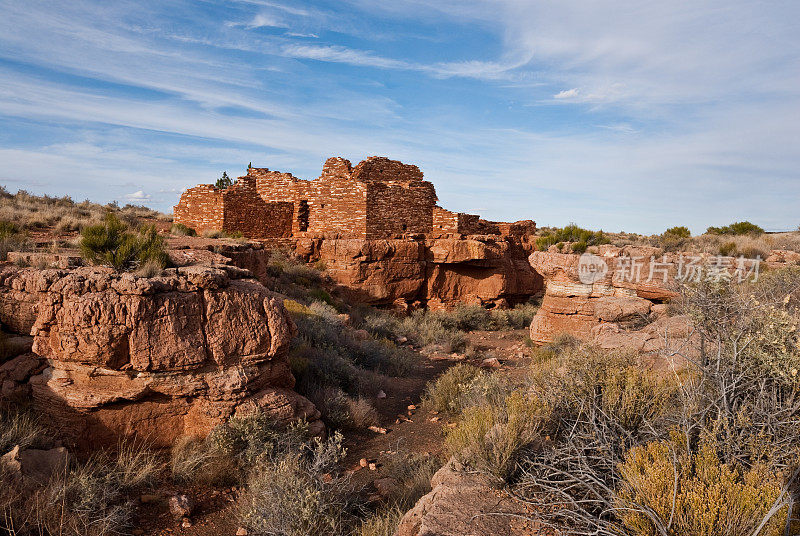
x=625 y=294
x=154 y=358
x=434 y=272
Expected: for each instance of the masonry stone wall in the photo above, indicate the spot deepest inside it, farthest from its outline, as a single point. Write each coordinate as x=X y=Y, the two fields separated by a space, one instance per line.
x=239 y=208
x=378 y=198
x=446 y=221
x=245 y=211
x=395 y=208
x=200 y=208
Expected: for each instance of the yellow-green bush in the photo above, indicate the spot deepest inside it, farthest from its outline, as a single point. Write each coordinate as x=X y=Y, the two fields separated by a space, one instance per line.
x=710 y=498
x=490 y=437
x=444 y=394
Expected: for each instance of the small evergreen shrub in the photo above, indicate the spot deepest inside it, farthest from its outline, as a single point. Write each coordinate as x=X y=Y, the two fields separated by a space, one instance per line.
x=581 y=238
x=678 y=232
x=224 y=182
x=110 y=243
x=737 y=228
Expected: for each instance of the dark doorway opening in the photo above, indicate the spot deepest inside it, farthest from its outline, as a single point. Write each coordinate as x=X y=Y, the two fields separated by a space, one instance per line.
x=302 y=215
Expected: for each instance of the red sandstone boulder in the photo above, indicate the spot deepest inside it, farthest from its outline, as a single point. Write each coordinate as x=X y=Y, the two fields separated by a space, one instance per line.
x=154 y=358
x=666 y=334
x=464 y=502
x=622 y=292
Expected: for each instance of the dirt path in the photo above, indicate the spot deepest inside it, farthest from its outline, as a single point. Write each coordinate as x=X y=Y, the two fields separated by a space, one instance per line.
x=416 y=430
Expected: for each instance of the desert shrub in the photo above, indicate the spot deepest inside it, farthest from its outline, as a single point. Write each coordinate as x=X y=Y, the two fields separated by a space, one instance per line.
x=571 y=233
x=213 y=233
x=444 y=394
x=675 y=238
x=297 y=279
x=250 y=439
x=200 y=460
x=518 y=317
x=752 y=251
x=695 y=493
x=232 y=450
x=728 y=249
x=180 y=229
x=220 y=233
x=751 y=375
x=87 y=499
x=716 y=439
x=342 y=411
x=413 y=473
x=593 y=406
x=422 y=328
x=335 y=354
x=382 y=523
x=19 y=427
x=296 y=495
x=579 y=247
x=150 y=247
x=8 y=229
x=11 y=239
x=678 y=232
x=446 y=327
x=321 y=295
x=111 y=243
x=737 y=228
x=490 y=437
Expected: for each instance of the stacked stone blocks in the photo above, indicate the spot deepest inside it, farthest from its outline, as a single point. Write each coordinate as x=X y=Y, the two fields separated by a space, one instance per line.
x=379 y=198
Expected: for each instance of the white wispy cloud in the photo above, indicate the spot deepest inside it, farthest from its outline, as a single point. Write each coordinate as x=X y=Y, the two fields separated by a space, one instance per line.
x=138 y=195
x=340 y=54
x=567 y=94
x=663 y=109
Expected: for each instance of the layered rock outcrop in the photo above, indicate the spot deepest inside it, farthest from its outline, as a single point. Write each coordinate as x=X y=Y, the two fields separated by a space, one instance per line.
x=433 y=272
x=617 y=297
x=615 y=293
x=117 y=355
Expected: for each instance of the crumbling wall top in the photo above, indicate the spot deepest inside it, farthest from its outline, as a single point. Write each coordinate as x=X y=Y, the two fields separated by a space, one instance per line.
x=379 y=168
x=336 y=166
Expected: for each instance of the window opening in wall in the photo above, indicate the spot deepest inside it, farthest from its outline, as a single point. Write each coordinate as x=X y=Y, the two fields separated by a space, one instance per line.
x=405 y=226
x=302 y=215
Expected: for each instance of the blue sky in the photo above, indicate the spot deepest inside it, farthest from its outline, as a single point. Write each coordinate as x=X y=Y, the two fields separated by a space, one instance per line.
x=614 y=114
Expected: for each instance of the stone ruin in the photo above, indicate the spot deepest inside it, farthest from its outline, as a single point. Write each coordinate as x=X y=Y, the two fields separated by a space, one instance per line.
x=378 y=198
